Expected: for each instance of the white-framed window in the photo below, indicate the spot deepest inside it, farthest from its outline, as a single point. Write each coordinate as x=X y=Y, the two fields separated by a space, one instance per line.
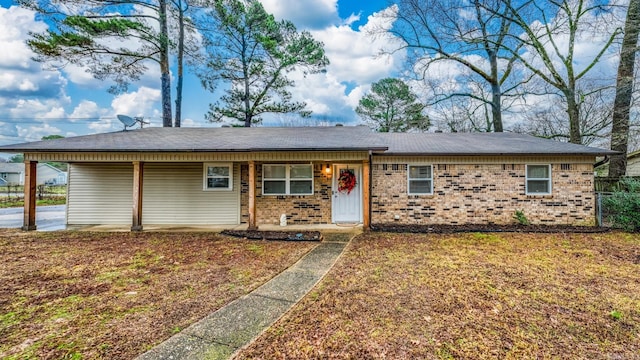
x=218 y=176
x=287 y=179
x=538 y=179
x=420 y=179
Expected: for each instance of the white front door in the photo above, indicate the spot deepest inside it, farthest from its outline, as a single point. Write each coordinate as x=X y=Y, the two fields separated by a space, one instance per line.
x=347 y=195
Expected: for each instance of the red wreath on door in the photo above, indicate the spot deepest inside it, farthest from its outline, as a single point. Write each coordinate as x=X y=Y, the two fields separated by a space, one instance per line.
x=346 y=181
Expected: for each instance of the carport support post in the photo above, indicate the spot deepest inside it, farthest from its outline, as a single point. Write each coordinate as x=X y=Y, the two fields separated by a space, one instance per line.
x=252 y=196
x=366 y=195
x=30 y=177
x=138 y=169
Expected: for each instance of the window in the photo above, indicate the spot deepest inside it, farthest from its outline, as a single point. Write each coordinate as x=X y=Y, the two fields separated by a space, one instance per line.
x=295 y=179
x=218 y=176
x=538 y=179
x=420 y=179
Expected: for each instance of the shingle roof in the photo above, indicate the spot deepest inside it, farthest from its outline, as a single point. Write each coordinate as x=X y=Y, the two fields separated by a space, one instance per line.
x=307 y=139
x=214 y=139
x=11 y=168
x=481 y=144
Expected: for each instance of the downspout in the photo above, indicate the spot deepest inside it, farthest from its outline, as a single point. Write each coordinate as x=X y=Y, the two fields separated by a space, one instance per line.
x=601 y=162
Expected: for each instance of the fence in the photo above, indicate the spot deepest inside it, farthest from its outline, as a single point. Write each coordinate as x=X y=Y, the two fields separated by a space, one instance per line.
x=608 y=184
x=604 y=188
x=15 y=193
x=602 y=213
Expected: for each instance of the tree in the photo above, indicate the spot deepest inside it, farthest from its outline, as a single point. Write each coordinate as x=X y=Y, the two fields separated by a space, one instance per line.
x=464 y=34
x=17 y=158
x=549 y=120
x=56 y=164
x=392 y=107
x=92 y=33
x=252 y=51
x=547 y=46
x=624 y=91
x=52 y=137
x=182 y=6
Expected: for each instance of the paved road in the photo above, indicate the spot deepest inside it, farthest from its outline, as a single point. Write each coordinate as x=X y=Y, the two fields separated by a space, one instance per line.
x=48 y=218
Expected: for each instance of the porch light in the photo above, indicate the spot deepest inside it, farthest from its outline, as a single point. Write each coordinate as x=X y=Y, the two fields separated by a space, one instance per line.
x=328 y=169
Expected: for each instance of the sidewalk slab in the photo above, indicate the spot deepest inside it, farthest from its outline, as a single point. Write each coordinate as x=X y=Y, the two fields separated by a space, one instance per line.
x=239 y=322
x=222 y=333
x=292 y=285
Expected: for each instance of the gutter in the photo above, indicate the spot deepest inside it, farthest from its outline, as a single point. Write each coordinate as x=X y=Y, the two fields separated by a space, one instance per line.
x=22 y=150
x=602 y=153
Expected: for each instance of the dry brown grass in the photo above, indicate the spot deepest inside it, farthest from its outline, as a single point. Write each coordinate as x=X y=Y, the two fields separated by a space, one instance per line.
x=113 y=295
x=470 y=296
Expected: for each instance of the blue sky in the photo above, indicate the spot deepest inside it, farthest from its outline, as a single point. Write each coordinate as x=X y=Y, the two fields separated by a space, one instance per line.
x=35 y=101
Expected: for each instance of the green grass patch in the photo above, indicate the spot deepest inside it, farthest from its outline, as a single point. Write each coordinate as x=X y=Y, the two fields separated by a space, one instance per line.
x=44 y=202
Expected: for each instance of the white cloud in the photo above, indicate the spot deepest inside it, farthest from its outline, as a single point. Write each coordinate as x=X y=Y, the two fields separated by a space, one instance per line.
x=354 y=54
x=80 y=76
x=15 y=24
x=105 y=125
x=137 y=103
x=188 y=122
x=311 y=14
x=40 y=109
x=142 y=103
x=353 y=99
x=354 y=65
x=19 y=75
x=34 y=133
x=86 y=109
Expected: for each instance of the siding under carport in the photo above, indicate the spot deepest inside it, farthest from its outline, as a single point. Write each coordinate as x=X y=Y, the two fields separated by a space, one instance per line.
x=100 y=193
x=173 y=194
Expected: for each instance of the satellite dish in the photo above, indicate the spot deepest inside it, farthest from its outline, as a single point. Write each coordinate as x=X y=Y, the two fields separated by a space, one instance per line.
x=128 y=121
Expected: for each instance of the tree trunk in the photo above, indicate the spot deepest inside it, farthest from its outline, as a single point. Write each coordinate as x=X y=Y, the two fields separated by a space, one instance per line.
x=496 y=93
x=496 y=108
x=624 y=88
x=164 y=65
x=574 y=117
x=177 y=120
x=247 y=104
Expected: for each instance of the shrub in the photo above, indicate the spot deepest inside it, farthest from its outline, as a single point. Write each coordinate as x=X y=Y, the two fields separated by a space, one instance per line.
x=624 y=206
x=521 y=218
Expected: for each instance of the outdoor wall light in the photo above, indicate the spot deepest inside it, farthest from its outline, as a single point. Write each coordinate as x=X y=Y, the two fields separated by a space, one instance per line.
x=328 y=169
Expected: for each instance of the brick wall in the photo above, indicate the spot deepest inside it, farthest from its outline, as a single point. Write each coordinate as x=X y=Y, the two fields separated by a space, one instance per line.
x=307 y=209
x=483 y=193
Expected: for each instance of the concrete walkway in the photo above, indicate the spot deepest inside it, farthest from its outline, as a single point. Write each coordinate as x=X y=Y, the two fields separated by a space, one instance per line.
x=235 y=325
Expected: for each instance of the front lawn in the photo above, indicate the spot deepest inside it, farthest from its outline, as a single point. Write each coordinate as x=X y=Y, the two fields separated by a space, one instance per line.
x=73 y=295
x=469 y=296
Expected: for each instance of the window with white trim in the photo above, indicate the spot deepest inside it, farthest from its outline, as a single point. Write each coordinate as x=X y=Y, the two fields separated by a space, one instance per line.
x=420 y=179
x=287 y=179
x=218 y=176
x=538 y=179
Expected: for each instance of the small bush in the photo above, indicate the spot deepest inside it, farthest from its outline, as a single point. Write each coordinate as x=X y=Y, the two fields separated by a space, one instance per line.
x=521 y=218
x=624 y=206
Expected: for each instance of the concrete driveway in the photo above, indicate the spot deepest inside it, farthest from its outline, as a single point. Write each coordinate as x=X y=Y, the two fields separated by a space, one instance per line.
x=48 y=218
